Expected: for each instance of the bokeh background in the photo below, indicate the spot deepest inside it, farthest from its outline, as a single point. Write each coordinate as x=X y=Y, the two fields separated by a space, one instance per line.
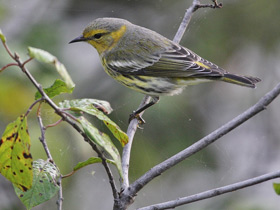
x=243 y=38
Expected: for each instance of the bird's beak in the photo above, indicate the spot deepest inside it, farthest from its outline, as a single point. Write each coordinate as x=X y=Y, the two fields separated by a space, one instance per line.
x=78 y=39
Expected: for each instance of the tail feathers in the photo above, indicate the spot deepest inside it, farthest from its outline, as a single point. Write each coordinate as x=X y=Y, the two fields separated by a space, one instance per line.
x=247 y=81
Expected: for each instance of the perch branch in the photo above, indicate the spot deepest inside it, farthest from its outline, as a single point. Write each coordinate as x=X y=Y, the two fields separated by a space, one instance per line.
x=214 y=192
x=204 y=142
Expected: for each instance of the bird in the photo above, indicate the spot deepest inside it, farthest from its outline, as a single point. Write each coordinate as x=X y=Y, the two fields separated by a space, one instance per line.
x=147 y=62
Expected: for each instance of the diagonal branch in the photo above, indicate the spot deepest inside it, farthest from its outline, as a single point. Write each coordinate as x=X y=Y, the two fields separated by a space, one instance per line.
x=186 y=20
x=214 y=192
x=204 y=142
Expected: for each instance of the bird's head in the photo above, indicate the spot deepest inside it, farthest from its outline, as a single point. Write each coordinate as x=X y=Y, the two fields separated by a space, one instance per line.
x=103 y=33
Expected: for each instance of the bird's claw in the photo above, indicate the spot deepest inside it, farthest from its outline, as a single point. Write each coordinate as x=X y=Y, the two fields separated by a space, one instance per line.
x=135 y=115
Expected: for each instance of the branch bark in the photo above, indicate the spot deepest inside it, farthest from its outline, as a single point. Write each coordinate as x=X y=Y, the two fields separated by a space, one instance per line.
x=214 y=192
x=127 y=149
x=204 y=142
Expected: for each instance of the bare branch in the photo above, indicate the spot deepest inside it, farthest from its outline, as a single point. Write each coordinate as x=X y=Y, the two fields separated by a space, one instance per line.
x=42 y=138
x=8 y=50
x=127 y=149
x=204 y=142
x=8 y=65
x=185 y=22
x=214 y=192
x=27 y=61
x=32 y=105
x=60 y=196
x=188 y=15
x=54 y=124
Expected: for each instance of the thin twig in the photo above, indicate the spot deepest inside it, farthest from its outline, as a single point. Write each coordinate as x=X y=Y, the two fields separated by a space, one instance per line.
x=213 y=6
x=204 y=142
x=8 y=65
x=53 y=124
x=32 y=105
x=60 y=195
x=42 y=138
x=8 y=50
x=214 y=192
x=185 y=22
x=28 y=60
x=69 y=115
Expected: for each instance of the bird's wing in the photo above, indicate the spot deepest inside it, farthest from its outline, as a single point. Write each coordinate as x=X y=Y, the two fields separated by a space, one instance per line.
x=175 y=61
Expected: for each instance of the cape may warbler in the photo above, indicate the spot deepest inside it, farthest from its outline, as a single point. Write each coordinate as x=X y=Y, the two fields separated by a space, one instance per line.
x=145 y=61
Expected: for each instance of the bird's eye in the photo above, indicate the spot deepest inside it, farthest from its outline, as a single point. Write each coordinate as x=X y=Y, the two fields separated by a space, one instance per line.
x=97 y=36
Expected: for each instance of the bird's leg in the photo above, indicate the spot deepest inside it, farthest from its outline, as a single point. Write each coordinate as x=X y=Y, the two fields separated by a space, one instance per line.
x=135 y=114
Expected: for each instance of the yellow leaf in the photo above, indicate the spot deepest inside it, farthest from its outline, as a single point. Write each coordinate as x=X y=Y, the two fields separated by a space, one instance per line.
x=15 y=157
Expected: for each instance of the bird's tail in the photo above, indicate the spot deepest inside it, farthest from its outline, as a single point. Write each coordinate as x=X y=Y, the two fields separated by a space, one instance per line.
x=247 y=81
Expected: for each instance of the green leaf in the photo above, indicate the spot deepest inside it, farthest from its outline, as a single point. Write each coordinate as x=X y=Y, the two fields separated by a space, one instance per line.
x=101 y=105
x=41 y=55
x=276 y=187
x=57 y=88
x=44 y=185
x=2 y=37
x=86 y=106
x=46 y=57
x=64 y=74
x=89 y=161
x=15 y=157
x=102 y=140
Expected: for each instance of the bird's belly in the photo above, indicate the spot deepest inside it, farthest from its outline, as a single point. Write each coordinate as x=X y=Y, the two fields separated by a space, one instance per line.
x=154 y=86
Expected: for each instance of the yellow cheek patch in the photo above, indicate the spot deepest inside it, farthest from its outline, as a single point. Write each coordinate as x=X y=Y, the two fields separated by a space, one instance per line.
x=202 y=65
x=116 y=35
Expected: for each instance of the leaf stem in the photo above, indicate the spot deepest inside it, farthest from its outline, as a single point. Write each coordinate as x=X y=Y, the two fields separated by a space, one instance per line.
x=54 y=124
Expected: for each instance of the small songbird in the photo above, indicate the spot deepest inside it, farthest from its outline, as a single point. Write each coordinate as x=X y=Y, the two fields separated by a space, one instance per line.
x=147 y=62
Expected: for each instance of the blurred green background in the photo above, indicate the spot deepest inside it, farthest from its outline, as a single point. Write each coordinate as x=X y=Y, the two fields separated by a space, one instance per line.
x=243 y=38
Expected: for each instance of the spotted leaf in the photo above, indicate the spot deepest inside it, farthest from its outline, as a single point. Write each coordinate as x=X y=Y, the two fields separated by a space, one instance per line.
x=44 y=185
x=15 y=157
